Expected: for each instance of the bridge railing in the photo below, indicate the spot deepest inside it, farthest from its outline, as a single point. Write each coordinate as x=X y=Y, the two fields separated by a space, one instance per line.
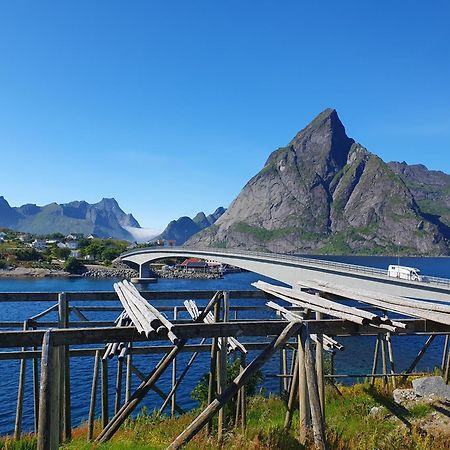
x=293 y=258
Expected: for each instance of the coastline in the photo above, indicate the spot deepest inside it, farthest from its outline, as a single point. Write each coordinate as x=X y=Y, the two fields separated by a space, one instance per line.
x=25 y=272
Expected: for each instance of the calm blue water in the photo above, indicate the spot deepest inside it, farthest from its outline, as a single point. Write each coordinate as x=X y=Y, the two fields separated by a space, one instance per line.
x=355 y=359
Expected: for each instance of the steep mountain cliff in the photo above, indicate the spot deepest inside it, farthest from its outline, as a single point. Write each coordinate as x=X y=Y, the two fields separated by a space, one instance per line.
x=324 y=193
x=103 y=219
x=182 y=229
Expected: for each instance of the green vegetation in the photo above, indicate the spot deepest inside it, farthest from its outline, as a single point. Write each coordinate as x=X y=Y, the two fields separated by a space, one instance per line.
x=105 y=250
x=360 y=417
x=72 y=265
x=261 y=234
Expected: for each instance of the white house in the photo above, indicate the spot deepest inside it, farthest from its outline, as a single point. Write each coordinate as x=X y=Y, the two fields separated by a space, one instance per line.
x=38 y=244
x=2 y=235
x=73 y=245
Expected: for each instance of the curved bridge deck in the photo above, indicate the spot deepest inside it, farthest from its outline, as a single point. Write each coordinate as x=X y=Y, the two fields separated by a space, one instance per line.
x=292 y=270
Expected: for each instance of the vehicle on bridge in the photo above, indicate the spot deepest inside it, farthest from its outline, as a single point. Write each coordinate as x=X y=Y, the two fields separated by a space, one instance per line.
x=405 y=273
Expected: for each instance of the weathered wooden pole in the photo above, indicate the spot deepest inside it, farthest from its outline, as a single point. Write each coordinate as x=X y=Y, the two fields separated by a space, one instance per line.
x=118 y=397
x=232 y=389
x=93 y=401
x=375 y=358
x=213 y=365
x=391 y=358
x=174 y=372
x=293 y=393
x=243 y=396
x=49 y=401
x=419 y=356
x=313 y=390
x=36 y=390
x=105 y=403
x=284 y=371
x=222 y=368
x=63 y=322
x=319 y=368
x=129 y=373
x=444 y=353
x=20 y=392
x=447 y=370
x=383 y=360
x=303 y=400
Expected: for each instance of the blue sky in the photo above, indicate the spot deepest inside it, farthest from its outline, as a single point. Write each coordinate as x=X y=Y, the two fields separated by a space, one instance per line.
x=171 y=106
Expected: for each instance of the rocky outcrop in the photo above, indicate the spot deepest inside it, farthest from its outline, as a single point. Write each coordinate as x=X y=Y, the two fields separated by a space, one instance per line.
x=324 y=193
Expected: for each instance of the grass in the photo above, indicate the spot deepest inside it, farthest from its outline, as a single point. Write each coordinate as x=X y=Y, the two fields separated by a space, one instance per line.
x=351 y=425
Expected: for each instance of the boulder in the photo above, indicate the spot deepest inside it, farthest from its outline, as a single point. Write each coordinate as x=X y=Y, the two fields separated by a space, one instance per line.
x=431 y=387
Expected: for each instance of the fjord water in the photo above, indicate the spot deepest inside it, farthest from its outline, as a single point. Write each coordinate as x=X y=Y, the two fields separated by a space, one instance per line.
x=356 y=358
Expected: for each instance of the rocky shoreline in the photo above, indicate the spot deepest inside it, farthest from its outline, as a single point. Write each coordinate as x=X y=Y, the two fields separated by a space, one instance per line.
x=188 y=275
x=110 y=272
x=25 y=272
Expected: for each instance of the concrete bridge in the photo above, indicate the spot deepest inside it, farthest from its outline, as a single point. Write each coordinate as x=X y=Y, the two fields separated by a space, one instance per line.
x=292 y=270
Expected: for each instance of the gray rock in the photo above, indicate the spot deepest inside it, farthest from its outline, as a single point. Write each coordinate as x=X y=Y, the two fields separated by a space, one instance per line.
x=431 y=387
x=404 y=395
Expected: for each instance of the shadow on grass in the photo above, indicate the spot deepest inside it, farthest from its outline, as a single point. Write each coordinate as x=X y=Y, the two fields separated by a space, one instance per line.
x=394 y=408
x=444 y=409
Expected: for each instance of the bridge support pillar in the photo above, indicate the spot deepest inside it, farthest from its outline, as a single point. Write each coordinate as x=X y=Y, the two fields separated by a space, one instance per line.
x=144 y=270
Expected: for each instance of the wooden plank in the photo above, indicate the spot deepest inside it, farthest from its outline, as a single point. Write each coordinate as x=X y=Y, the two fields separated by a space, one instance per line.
x=20 y=394
x=80 y=336
x=413 y=308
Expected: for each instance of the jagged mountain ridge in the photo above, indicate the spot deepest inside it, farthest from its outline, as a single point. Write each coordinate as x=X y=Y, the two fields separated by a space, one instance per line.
x=182 y=229
x=325 y=193
x=103 y=219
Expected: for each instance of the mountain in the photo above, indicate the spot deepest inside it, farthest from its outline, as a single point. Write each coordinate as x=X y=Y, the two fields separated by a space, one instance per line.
x=182 y=229
x=103 y=219
x=325 y=193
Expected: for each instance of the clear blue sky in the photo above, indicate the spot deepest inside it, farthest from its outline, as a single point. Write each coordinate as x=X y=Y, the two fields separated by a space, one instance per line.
x=171 y=106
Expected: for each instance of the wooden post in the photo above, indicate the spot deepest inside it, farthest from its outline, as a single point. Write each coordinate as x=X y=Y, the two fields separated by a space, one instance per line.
x=375 y=358
x=243 y=396
x=20 y=393
x=91 y=419
x=302 y=393
x=222 y=368
x=447 y=370
x=383 y=360
x=63 y=322
x=49 y=401
x=293 y=393
x=118 y=385
x=444 y=353
x=391 y=358
x=232 y=389
x=313 y=390
x=319 y=368
x=129 y=373
x=105 y=406
x=213 y=365
x=36 y=391
x=284 y=370
x=174 y=372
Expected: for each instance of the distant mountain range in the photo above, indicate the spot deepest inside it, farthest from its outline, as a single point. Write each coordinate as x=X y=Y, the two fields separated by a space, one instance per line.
x=103 y=219
x=184 y=228
x=325 y=193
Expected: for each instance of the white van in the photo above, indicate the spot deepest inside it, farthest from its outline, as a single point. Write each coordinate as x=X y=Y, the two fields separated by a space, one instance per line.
x=405 y=273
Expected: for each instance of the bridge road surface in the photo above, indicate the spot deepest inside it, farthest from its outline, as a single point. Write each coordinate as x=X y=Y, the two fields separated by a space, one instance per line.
x=291 y=270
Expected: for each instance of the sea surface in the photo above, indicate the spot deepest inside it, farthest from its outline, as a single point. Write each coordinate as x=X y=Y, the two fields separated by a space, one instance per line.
x=355 y=359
